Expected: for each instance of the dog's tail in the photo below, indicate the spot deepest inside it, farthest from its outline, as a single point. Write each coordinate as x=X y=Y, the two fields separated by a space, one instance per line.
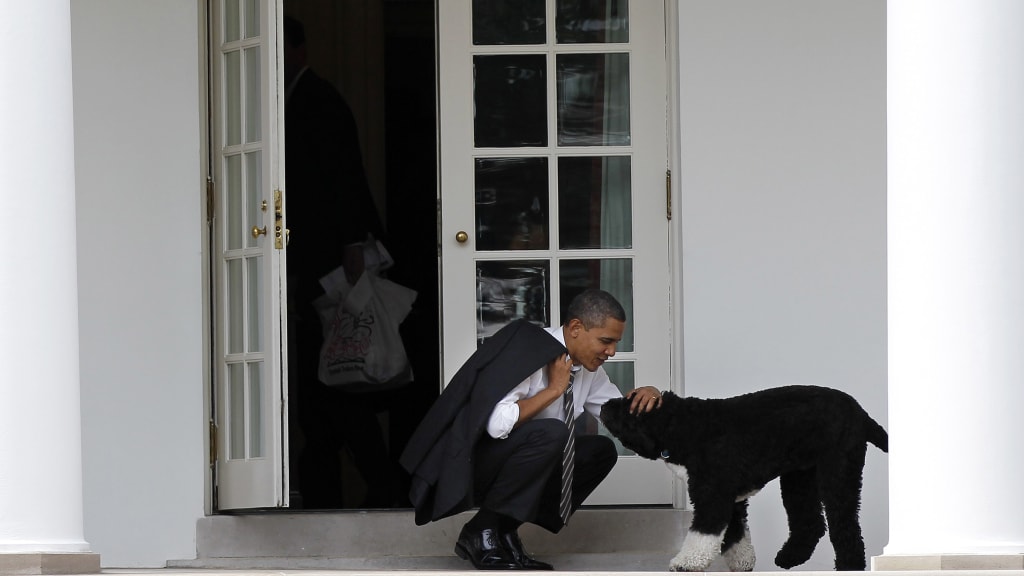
x=876 y=434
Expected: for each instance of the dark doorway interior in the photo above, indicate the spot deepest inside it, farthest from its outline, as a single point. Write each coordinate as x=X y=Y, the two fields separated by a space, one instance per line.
x=379 y=55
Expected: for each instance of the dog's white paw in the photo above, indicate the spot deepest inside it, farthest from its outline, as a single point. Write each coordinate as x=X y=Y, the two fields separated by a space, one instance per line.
x=740 y=557
x=697 y=553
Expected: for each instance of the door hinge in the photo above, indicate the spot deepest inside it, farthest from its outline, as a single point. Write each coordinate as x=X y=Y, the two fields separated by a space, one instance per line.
x=668 y=194
x=213 y=443
x=210 y=202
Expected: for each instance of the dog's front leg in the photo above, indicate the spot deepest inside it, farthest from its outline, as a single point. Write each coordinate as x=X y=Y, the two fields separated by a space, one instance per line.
x=698 y=551
x=703 y=543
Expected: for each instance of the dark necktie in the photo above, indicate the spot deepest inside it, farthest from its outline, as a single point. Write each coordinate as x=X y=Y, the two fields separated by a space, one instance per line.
x=568 y=453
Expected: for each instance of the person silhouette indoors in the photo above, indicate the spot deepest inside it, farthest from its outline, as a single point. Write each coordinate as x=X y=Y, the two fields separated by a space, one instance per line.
x=330 y=214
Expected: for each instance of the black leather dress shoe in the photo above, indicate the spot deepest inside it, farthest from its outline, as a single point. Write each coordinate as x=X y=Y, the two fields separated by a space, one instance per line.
x=515 y=546
x=484 y=550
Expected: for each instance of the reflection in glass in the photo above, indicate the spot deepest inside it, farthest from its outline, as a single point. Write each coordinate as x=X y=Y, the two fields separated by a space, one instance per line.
x=236 y=412
x=255 y=269
x=594 y=202
x=253 y=114
x=252 y=18
x=255 y=410
x=231 y=20
x=508 y=22
x=592 y=21
x=622 y=375
x=235 y=225
x=507 y=290
x=613 y=275
x=233 y=98
x=593 y=99
x=511 y=203
x=236 y=317
x=253 y=196
x=510 y=100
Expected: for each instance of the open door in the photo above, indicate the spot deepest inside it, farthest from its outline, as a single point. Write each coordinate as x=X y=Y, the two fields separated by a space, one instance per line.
x=247 y=242
x=553 y=180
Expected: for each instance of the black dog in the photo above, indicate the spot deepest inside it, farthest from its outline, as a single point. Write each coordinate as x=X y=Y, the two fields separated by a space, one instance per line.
x=812 y=439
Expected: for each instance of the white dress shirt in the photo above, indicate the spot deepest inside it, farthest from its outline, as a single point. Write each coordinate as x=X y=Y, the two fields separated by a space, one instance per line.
x=590 y=390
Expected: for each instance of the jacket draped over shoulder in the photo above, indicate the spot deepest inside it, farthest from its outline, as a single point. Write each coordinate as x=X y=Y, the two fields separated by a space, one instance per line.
x=439 y=455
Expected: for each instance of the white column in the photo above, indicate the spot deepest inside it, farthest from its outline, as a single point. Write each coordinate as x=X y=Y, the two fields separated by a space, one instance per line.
x=956 y=284
x=41 y=528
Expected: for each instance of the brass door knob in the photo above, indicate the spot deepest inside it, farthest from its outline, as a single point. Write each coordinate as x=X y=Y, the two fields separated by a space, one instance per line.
x=461 y=237
x=257 y=231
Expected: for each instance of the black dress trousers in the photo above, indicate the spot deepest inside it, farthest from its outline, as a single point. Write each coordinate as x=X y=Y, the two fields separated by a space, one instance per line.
x=520 y=476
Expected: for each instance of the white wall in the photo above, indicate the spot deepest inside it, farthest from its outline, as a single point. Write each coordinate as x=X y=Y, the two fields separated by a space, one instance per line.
x=137 y=151
x=782 y=176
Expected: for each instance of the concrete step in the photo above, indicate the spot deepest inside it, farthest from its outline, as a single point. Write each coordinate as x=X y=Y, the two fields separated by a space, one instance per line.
x=616 y=539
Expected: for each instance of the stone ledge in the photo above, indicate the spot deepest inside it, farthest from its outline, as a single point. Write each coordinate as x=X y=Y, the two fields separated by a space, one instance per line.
x=896 y=562
x=49 y=563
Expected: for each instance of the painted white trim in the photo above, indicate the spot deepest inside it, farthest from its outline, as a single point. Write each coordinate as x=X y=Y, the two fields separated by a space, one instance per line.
x=677 y=365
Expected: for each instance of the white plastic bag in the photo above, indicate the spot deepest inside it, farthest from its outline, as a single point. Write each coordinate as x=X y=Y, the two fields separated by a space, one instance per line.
x=362 y=347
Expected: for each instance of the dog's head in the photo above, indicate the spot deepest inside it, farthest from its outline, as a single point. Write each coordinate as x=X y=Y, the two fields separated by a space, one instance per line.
x=642 y=432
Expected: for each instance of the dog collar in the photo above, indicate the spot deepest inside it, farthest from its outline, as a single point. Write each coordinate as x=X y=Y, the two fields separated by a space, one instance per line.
x=664 y=454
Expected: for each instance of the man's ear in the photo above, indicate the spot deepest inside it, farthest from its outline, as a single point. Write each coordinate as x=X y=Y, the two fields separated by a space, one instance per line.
x=575 y=326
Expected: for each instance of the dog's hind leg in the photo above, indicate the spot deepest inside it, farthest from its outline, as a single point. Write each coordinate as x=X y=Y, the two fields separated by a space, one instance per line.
x=840 y=489
x=737 y=551
x=803 y=510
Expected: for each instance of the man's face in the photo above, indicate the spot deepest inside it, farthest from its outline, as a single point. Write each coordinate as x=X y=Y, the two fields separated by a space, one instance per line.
x=591 y=348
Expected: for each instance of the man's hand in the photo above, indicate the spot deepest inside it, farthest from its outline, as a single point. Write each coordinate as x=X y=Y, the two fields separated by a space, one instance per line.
x=644 y=399
x=558 y=373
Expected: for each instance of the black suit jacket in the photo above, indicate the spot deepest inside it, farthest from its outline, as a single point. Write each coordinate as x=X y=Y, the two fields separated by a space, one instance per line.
x=439 y=455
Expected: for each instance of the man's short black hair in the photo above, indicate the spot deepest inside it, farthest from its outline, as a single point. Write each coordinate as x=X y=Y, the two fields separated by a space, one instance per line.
x=294 y=32
x=593 y=307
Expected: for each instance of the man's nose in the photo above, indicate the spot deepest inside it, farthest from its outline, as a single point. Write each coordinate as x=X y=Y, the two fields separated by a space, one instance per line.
x=610 y=350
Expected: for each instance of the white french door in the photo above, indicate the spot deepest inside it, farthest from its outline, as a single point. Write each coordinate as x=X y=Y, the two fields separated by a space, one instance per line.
x=249 y=259
x=553 y=120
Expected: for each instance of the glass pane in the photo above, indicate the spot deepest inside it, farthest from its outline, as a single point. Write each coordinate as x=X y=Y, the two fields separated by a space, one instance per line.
x=232 y=98
x=508 y=290
x=255 y=293
x=255 y=410
x=621 y=373
x=234 y=213
x=253 y=197
x=252 y=18
x=593 y=99
x=252 y=94
x=510 y=100
x=614 y=275
x=592 y=21
x=236 y=317
x=236 y=412
x=231 y=20
x=594 y=202
x=511 y=203
x=508 y=22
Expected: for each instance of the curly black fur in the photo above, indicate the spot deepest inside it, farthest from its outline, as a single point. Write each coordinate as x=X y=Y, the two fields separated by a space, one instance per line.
x=814 y=439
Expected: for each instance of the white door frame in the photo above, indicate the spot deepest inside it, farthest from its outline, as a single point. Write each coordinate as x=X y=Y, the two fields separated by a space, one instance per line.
x=675 y=233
